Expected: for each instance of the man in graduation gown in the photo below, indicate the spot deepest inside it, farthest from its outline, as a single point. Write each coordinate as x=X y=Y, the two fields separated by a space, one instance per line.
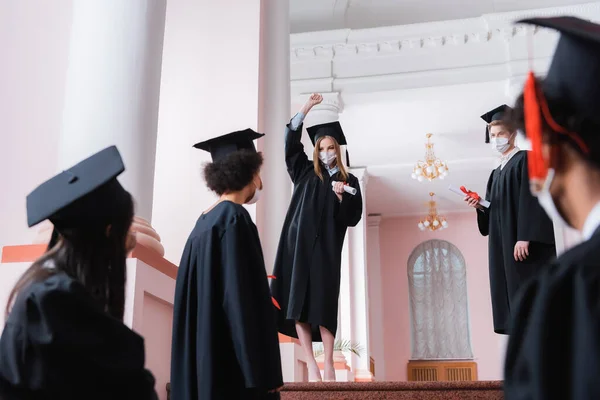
x=225 y=341
x=554 y=347
x=521 y=236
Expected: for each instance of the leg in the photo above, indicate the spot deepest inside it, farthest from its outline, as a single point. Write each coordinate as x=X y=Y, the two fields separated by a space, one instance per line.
x=305 y=337
x=328 y=342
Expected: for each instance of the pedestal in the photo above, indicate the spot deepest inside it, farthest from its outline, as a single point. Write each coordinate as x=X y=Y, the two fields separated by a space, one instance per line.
x=293 y=360
x=149 y=295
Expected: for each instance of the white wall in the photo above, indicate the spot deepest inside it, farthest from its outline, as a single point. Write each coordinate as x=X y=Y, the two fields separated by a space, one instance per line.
x=34 y=38
x=209 y=88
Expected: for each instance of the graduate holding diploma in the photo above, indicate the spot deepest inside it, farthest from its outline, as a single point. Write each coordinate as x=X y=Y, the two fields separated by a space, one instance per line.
x=521 y=236
x=225 y=342
x=554 y=346
x=308 y=262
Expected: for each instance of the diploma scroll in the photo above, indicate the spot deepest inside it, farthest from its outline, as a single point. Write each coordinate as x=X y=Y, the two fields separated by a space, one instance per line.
x=465 y=192
x=347 y=188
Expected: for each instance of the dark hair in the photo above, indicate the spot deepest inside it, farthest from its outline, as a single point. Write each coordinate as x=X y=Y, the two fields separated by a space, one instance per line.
x=234 y=172
x=91 y=256
x=565 y=114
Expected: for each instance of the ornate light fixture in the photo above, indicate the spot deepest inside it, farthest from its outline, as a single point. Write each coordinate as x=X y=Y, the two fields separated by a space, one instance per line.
x=433 y=221
x=432 y=167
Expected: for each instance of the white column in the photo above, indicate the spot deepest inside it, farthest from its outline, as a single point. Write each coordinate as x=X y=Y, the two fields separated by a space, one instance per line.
x=273 y=115
x=359 y=292
x=375 y=296
x=112 y=89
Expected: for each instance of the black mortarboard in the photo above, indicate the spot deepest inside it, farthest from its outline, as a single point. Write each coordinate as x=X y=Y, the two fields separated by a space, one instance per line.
x=331 y=129
x=224 y=145
x=497 y=114
x=575 y=67
x=85 y=193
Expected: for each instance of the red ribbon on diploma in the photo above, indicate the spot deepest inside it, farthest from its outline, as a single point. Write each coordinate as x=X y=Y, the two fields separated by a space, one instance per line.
x=469 y=193
x=275 y=303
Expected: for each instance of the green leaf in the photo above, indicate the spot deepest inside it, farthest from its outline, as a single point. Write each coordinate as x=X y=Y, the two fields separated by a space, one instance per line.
x=340 y=345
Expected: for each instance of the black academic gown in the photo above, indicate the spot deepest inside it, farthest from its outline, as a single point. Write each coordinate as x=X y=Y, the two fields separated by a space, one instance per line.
x=225 y=342
x=308 y=261
x=58 y=344
x=514 y=215
x=554 y=347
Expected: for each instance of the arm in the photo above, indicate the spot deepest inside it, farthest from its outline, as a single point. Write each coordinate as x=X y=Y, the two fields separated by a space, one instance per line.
x=483 y=214
x=349 y=210
x=533 y=224
x=248 y=308
x=295 y=158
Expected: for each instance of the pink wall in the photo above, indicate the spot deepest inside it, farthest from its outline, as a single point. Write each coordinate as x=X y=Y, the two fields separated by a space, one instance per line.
x=398 y=238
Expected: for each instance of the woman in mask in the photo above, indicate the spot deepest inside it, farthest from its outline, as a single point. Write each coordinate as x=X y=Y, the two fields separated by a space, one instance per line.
x=325 y=202
x=225 y=342
x=64 y=336
x=554 y=347
x=520 y=234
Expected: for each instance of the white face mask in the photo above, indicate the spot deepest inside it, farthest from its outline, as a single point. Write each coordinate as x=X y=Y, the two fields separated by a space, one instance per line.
x=255 y=197
x=545 y=199
x=327 y=157
x=500 y=144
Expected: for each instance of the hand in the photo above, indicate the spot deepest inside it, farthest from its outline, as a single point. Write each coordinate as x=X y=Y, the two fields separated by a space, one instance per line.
x=314 y=99
x=472 y=202
x=521 y=251
x=338 y=189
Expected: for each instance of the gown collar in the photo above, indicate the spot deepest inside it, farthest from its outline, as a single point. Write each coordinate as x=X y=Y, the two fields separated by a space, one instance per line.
x=592 y=223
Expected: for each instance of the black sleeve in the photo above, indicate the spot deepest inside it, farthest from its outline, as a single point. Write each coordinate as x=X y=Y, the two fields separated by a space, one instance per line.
x=533 y=224
x=295 y=158
x=483 y=216
x=57 y=341
x=248 y=307
x=349 y=210
x=554 y=345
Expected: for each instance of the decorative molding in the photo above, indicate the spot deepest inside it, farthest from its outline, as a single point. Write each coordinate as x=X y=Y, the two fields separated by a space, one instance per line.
x=481 y=49
x=373 y=220
x=363 y=177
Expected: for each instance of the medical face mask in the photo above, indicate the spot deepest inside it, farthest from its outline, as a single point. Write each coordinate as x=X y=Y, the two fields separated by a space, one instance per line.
x=255 y=197
x=500 y=144
x=327 y=157
x=547 y=202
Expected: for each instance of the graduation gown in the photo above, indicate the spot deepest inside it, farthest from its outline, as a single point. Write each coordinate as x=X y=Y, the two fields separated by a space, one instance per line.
x=225 y=342
x=554 y=347
x=514 y=215
x=58 y=344
x=308 y=261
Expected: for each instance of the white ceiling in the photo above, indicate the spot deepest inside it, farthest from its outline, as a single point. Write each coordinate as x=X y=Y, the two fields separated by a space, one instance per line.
x=318 y=15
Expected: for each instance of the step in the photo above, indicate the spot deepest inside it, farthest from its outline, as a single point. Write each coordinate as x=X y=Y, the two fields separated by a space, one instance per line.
x=477 y=390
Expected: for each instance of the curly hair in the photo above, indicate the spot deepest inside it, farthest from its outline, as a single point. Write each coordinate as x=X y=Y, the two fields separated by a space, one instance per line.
x=566 y=115
x=234 y=172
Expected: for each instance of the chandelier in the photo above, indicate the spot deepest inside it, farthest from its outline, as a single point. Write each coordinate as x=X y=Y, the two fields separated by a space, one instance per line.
x=432 y=167
x=433 y=221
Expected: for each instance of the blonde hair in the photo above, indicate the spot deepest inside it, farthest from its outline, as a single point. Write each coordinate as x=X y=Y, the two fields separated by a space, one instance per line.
x=338 y=159
x=509 y=127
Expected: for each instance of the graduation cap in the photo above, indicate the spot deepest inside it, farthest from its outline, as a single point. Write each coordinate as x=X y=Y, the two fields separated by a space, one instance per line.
x=575 y=67
x=331 y=129
x=572 y=76
x=85 y=193
x=222 y=146
x=497 y=114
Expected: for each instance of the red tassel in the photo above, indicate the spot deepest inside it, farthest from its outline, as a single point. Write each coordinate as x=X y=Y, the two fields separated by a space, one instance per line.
x=271 y=277
x=275 y=303
x=533 y=127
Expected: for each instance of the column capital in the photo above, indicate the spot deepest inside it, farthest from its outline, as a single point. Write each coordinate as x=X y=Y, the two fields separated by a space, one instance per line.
x=373 y=220
x=328 y=111
x=362 y=174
